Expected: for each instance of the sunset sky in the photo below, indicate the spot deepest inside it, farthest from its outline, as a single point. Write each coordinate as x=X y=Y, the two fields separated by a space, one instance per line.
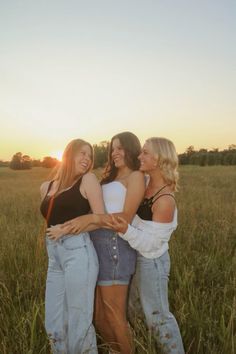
x=91 y=69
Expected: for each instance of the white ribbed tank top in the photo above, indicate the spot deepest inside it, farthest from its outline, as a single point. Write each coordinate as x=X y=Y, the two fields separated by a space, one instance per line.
x=114 y=196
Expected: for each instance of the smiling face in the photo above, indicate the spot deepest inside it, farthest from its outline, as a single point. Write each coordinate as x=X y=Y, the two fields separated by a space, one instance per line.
x=83 y=159
x=118 y=154
x=148 y=162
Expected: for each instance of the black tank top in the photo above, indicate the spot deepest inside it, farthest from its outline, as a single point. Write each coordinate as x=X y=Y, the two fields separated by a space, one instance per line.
x=145 y=209
x=65 y=206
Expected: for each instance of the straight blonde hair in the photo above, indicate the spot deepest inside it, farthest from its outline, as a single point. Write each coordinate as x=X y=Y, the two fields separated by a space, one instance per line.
x=65 y=173
x=164 y=151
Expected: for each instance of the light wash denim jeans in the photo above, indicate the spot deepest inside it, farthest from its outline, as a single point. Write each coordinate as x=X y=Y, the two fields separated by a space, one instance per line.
x=150 y=283
x=71 y=280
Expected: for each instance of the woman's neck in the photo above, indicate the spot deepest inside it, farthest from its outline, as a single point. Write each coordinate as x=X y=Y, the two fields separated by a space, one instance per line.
x=123 y=172
x=156 y=183
x=156 y=180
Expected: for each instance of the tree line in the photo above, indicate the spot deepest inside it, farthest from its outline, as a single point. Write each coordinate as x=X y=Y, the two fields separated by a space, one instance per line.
x=202 y=157
x=20 y=161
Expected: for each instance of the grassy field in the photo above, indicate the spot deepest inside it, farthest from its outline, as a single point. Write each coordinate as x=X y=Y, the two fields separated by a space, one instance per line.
x=203 y=275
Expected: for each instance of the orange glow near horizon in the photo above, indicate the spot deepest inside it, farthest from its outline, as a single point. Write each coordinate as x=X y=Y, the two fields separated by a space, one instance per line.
x=90 y=80
x=57 y=154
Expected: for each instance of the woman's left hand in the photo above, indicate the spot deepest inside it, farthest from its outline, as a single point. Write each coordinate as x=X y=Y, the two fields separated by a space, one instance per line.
x=117 y=224
x=56 y=232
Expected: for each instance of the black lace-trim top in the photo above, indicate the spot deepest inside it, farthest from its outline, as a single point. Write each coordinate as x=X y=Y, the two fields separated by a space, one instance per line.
x=145 y=209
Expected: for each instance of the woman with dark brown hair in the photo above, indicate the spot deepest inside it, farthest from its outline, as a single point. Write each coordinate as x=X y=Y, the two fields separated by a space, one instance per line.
x=123 y=189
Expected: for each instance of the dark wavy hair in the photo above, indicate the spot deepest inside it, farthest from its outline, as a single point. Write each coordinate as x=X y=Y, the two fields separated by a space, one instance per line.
x=132 y=147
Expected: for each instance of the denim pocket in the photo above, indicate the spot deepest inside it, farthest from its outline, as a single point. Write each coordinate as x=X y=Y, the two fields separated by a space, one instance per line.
x=51 y=246
x=74 y=242
x=50 y=251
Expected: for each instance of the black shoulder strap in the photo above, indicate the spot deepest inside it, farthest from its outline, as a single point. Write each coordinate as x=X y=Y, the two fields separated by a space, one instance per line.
x=158 y=192
x=161 y=195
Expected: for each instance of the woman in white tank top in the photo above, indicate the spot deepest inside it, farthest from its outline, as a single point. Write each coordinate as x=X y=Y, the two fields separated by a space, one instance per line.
x=123 y=189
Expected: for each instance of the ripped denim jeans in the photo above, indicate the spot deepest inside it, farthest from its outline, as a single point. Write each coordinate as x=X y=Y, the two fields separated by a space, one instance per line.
x=150 y=283
x=71 y=280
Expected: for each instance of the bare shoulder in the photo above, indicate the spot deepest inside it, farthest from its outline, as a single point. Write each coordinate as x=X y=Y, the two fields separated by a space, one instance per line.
x=136 y=181
x=163 y=208
x=43 y=188
x=90 y=187
x=136 y=176
x=88 y=178
x=165 y=201
x=89 y=184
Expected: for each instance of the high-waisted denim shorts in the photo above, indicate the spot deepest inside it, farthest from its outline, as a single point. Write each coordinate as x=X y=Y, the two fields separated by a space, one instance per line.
x=117 y=259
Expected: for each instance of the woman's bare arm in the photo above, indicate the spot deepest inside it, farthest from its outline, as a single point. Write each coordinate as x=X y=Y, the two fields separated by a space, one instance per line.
x=134 y=196
x=90 y=222
x=90 y=189
x=43 y=189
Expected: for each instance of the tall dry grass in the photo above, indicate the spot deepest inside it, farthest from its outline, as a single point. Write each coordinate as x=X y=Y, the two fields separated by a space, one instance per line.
x=202 y=282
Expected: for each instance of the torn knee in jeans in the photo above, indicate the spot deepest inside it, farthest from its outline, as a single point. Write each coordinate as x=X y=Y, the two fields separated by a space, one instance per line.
x=155 y=312
x=167 y=336
x=56 y=339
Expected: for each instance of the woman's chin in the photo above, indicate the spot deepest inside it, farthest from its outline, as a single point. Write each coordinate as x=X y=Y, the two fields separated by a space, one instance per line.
x=142 y=169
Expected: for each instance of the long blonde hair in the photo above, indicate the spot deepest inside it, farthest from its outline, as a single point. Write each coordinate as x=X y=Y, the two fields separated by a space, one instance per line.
x=164 y=150
x=65 y=173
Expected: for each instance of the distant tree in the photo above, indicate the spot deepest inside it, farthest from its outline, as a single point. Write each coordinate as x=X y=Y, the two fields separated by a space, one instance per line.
x=190 y=150
x=16 y=161
x=228 y=158
x=26 y=162
x=100 y=153
x=232 y=147
x=36 y=163
x=202 y=151
x=234 y=159
x=4 y=163
x=204 y=157
x=49 y=162
x=183 y=159
x=193 y=158
x=212 y=158
x=20 y=162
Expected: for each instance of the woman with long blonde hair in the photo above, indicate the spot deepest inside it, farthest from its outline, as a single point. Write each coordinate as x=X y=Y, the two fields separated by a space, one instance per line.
x=149 y=234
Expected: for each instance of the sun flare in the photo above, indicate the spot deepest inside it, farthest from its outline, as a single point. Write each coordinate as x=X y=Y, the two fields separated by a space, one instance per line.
x=57 y=154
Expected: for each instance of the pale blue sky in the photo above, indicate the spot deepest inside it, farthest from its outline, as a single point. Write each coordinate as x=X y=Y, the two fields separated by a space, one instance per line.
x=91 y=69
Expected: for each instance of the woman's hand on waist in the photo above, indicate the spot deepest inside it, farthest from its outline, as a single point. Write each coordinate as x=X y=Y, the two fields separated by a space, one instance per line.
x=82 y=223
x=117 y=223
x=55 y=232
